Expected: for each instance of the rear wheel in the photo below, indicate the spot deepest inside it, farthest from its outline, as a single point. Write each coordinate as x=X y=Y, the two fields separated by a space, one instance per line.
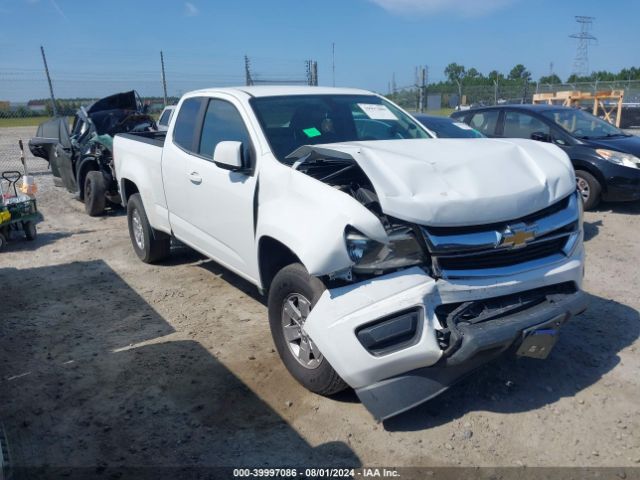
x=94 y=191
x=292 y=295
x=149 y=244
x=30 y=230
x=589 y=189
x=3 y=241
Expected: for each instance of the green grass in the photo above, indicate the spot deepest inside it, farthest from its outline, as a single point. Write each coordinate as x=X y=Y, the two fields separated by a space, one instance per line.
x=22 y=122
x=443 y=112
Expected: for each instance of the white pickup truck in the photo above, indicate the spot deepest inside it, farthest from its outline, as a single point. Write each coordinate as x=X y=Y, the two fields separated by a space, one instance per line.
x=394 y=263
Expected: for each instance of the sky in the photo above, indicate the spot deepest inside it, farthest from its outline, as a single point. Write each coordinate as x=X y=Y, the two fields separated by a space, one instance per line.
x=97 y=48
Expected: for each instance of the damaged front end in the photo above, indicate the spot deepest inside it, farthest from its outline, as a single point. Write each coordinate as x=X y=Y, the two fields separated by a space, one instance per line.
x=412 y=315
x=87 y=146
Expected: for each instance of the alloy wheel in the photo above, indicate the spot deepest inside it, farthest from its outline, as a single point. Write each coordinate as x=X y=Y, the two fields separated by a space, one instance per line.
x=295 y=310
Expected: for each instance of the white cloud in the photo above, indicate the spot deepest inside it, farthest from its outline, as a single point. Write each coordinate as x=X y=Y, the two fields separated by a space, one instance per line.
x=427 y=7
x=58 y=9
x=190 y=10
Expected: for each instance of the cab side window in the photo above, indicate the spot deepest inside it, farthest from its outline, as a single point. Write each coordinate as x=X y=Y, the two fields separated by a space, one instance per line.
x=222 y=122
x=522 y=125
x=184 y=129
x=164 y=118
x=485 y=122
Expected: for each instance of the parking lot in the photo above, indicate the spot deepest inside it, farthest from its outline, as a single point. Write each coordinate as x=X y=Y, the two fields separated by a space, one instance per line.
x=106 y=360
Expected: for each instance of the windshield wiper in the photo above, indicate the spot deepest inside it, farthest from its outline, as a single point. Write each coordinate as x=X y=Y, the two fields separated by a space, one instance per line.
x=621 y=134
x=608 y=135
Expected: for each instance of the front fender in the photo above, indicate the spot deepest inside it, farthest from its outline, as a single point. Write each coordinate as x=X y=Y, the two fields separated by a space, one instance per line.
x=310 y=218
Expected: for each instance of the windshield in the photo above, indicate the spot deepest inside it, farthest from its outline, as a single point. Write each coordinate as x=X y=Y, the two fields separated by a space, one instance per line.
x=446 y=128
x=581 y=124
x=292 y=121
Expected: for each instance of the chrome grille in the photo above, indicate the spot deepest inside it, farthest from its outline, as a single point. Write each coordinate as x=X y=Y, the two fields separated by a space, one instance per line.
x=479 y=250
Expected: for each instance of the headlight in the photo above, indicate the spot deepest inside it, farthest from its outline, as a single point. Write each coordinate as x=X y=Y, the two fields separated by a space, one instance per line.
x=625 y=159
x=371 y=256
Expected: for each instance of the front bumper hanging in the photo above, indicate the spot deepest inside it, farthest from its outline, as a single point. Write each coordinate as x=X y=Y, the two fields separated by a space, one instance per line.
x=387 y=339
x=481 y=343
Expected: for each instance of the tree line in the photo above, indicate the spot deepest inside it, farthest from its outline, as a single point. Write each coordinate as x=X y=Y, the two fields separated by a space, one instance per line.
x=457 y=74
x=517 y=85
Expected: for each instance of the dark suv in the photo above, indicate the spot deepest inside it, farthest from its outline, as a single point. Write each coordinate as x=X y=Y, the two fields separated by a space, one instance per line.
x=604 y=157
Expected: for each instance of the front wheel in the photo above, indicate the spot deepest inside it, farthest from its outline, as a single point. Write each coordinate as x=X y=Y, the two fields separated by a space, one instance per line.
x=292 y=295
x=149 y=244
x=589 y=189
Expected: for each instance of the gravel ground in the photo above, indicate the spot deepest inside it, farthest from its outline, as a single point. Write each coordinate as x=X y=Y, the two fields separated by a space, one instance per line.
x=107 y=361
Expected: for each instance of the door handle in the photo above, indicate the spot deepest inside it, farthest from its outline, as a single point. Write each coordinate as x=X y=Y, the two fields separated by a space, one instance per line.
x=195 y=177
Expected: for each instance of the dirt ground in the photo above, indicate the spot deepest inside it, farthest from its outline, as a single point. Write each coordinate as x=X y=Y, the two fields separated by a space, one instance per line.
x=107 y=361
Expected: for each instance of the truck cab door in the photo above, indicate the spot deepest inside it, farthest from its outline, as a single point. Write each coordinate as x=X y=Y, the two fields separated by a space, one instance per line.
x=212 y=208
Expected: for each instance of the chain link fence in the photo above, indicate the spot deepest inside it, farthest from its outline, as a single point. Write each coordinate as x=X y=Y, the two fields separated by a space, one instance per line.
x=25 y=101
x=443 y=96
x=10 y=152
x=79 y=77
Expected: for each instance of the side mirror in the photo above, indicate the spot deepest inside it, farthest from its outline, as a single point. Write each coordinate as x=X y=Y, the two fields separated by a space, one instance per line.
x=228 y=155
x=541 y=137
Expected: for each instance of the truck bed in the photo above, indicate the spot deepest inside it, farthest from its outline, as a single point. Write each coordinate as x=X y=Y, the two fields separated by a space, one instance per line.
x=153 y=138
x=135 y=153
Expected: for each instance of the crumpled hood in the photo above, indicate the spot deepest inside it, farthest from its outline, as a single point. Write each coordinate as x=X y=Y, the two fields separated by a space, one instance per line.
x=459 y=182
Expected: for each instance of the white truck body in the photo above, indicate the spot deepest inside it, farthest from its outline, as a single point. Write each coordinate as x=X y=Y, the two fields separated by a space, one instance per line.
x=486 y=211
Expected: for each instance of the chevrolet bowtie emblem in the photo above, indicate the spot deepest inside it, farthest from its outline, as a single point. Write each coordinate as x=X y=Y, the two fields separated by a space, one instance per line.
x=517 y=236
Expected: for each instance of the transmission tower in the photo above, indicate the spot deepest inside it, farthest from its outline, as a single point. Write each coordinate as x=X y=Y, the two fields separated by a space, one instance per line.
x=585 y=37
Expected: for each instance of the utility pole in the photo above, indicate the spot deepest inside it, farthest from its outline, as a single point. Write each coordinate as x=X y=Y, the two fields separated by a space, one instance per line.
x=312 y=72
x=164 y=79
x=333 y=62
x=247 y=71
x=46 y=70
x=423 y=89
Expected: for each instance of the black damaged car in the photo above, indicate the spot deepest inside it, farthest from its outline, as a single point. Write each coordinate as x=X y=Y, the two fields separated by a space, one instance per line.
x=605 y=158
x=81 y=160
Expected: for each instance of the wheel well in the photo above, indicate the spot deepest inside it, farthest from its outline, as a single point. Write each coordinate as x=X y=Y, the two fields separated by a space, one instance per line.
x=272 y=257
x=128 y=189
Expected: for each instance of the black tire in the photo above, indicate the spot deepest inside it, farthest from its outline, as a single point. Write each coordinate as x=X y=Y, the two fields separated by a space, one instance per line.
x=94 y=190
x=294 y=279
x=589 y=189
x=3 y=241
x=30 y=230
x=155 y=245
